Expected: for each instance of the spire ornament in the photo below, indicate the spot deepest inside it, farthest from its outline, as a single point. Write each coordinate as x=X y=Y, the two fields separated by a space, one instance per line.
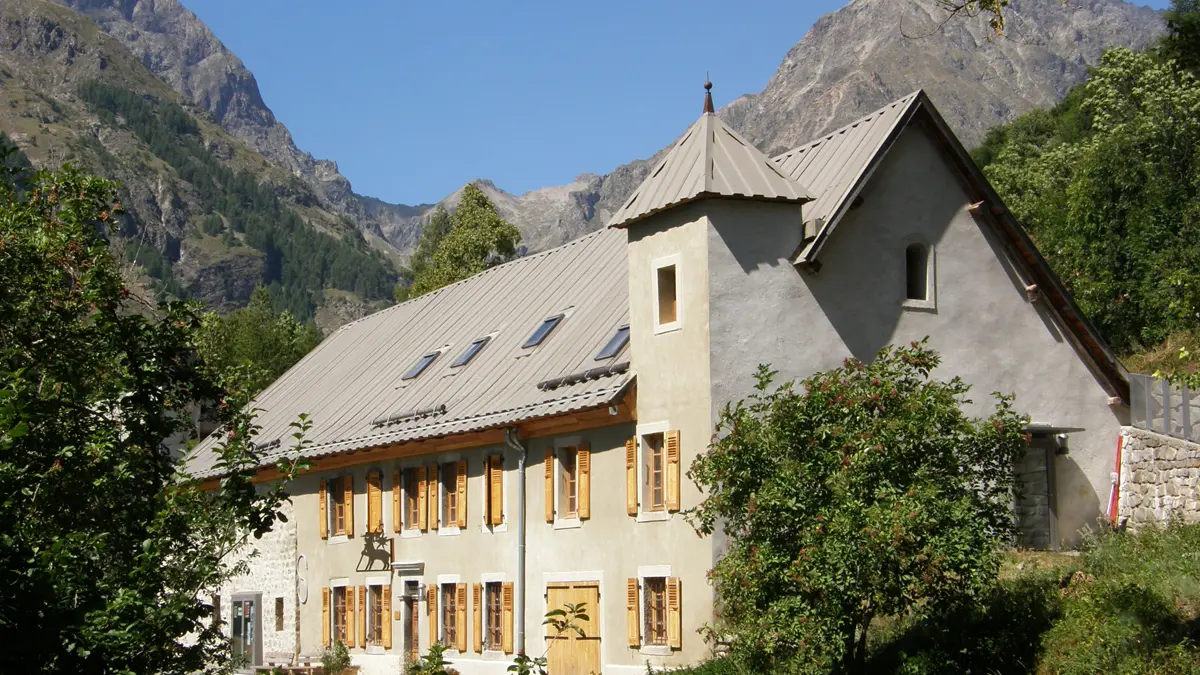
x=708 y=104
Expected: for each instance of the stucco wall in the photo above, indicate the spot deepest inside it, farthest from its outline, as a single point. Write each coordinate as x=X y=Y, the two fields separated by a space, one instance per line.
x=981 y=322
x=1160 y=479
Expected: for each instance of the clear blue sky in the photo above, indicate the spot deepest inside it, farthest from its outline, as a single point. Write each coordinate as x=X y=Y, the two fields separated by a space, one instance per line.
x=413 y=98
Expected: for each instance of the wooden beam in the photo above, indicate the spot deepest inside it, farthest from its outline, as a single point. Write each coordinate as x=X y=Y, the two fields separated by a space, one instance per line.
x=975 y=208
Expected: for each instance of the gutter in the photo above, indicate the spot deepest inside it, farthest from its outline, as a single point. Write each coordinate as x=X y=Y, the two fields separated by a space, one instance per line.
x=510 y=439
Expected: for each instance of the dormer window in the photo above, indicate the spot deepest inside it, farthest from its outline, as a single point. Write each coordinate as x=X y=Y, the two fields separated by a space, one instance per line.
x=539 y=335
x=421 y=364
x=470 y=352
x=615 y=344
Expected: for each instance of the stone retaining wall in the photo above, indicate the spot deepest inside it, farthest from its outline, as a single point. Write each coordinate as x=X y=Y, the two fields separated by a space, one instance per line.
x=1160 y=479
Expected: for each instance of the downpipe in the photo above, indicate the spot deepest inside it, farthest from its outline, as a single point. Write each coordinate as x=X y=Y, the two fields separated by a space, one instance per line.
x=510 y=439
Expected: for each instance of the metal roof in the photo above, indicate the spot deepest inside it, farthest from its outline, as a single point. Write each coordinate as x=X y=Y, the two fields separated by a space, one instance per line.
x=351 y=385
x=710 y=160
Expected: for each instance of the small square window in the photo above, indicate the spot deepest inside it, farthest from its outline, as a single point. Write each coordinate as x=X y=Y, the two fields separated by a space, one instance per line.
x=470 y=352
x=543 y=331
x=615 y=345
x=665 y=285
x=420 y=366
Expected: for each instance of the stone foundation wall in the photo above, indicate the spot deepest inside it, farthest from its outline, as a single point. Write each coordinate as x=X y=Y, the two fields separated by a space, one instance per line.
x=1160 y=479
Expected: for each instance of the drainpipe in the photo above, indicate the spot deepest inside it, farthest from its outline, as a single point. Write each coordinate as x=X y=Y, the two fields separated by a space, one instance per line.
x=510 y=438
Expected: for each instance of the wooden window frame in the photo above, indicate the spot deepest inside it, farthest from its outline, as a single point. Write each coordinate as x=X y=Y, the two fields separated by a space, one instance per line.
x=493 y=618
x=448 y=614
x=654 y=611
x=567 y=485
x=448 y=506
x=337 y=607
x=410 y=501
x=375 y=616
x=650 y=473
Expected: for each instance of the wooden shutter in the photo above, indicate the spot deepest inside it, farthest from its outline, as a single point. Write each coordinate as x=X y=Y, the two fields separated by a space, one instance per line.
x=433 y=617
x=362 y=616
x=496 y=508
x=396 y=516
x=461 y=484
x=422 y=500
x=506 y=638
x=322 y=514
x=375 y=502
x=325 y=621
x=348 y=483
x=460 y=617
x=350 y=616
x=674 y=616
x=633 y=631
x=435 y=502
x=387 y=617
x=549 y=486
x=477 y=614
x=583 y=480
x=672 y=452
x=631 y=486
x=414 y=625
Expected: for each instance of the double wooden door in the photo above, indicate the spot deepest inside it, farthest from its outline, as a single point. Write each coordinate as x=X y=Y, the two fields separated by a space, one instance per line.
x=572 y=654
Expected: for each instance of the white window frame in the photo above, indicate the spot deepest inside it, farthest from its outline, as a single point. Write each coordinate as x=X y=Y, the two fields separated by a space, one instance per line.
x=652 y=572
x=484 y=580
x=930 y=301
x=484 y=526
x=406 y=532
x=643 y=515
x=451 y=458
x=381 y=582
x=561 y=444
x=656 y=265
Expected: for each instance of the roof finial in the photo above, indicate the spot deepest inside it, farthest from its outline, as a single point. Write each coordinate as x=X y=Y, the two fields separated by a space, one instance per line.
x=708 y=106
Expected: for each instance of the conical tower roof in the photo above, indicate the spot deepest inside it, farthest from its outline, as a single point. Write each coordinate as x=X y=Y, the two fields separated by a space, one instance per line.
x=711 y=160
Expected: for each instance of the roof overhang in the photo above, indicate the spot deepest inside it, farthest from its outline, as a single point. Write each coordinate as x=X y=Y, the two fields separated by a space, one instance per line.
x=703 y=196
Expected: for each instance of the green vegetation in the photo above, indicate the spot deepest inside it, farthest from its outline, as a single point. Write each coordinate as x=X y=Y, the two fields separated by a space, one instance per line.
x=864 y=493
x=299 y=259
x=476 y=239
x=105 y=548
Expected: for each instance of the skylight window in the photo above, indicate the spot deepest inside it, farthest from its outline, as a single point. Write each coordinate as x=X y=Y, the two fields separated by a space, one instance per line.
x=542 y=331
x=615 y=345
x=421 y=364
x=470 y=352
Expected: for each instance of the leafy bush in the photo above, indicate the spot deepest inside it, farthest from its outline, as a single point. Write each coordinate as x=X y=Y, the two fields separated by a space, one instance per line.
x=335 y=659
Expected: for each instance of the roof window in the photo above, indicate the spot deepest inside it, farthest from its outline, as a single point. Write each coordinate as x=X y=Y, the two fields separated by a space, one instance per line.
x=421 y=364
x=539 y=335
x=470 y=352
x=615 y=345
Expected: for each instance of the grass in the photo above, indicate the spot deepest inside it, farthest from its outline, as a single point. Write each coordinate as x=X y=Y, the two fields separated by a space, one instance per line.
x=1165 y=356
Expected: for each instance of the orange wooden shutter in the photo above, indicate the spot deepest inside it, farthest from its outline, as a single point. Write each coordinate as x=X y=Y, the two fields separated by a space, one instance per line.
x=350 y=616
x=674 y=616
x=362 y=616
x=583 y=464
x=422 y=500
x=549 y=486
x=477 y=616
x=322 y=514
x=506 y=637
x=632 y=629
x=631 y=486
x=672 y=443
x=414 y=625
x=460 y=617
x=348 y=482
x=396 y=517
x=325 y=616
x=461 y=484
x=496 y=509
x=433 y=618
x=387 y=617
x=375 y=502
x=435 y=501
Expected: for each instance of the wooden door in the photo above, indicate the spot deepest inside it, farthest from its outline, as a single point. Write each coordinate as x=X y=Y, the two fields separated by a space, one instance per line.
x=572 y=654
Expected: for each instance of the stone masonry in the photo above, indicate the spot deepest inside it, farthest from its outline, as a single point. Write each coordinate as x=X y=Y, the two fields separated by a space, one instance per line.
x=1160 y=479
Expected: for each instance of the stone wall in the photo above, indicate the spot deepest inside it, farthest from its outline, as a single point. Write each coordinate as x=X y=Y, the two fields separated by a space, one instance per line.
x=1160 y=478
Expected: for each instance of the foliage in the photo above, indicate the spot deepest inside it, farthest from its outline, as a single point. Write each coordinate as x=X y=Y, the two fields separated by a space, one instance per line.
x=105 y=547
x=433 y=663
x=562 y=621
x=1116 y=208
x=478 y=238
x=1182 y=41
x=335 y=659
x=432 y=235
x=866 y=494
x=256 y=337
x=298 y=259
x=993 y=9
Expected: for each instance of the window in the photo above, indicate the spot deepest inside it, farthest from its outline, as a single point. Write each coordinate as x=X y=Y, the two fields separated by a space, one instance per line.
x=421 y=364
x=665 y=283
x=615 y=345
x=470 y=352
x=216 y=605
x=568 y=493
x=278 y=614
x=375 y=616
x=339 y=615
x=493 y=626
x=542 y=331
x=916 y=263
x=450 y=625
x=449 y=481
x=338 y=504
x=654 y=611
x=412 y=503
x=654 y=465
x=412 y=619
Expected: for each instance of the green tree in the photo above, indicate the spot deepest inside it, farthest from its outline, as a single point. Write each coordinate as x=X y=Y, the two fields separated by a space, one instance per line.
x=478 y=238
x=432 y=235
x=105 y=547
x=866 y=493
x=255 y=342
x=1182 y=41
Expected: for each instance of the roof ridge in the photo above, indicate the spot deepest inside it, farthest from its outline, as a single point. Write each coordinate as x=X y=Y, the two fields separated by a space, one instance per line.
x=825 y=137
